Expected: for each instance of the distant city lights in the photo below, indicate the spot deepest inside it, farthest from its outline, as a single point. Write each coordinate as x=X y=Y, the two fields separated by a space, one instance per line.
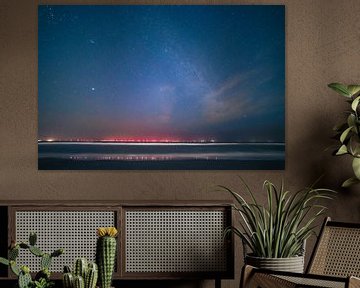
x=130 y=140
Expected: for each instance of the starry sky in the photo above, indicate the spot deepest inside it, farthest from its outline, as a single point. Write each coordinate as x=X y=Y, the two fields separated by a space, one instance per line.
x=156 y=72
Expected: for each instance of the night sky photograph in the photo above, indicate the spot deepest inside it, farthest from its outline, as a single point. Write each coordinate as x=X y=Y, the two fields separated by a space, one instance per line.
x=180 y=87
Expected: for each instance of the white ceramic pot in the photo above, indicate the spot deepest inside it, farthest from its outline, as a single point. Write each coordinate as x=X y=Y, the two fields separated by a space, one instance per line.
x=291 y=264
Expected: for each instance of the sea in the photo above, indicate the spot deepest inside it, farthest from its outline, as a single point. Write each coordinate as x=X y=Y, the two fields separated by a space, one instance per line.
x=160 y=156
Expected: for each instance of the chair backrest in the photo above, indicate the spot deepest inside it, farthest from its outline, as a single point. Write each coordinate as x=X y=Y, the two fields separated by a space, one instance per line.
x=337 y=251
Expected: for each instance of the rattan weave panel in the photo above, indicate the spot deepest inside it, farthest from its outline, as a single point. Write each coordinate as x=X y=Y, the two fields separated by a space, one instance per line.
x=75 y=231
x=175 y=241
x=338 y=253
x=260 y=280
x=306 y=282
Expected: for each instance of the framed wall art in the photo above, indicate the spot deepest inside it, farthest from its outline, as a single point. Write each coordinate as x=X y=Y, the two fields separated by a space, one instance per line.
x=161 y=87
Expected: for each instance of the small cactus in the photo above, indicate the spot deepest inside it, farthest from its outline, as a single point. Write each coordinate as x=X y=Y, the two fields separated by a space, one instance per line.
x=79 y=282
x=24 y=277
x=25 y=269
x=80 y=268
x=32 y=238
x=106 y=254
x=36 y=251
x=45 y=261
x=67 y=269
x=90 y=272
x=68 y=280
x=24 y=245
x=91 y=276
x=13 y=253
x=42 y=278
x=57 y=252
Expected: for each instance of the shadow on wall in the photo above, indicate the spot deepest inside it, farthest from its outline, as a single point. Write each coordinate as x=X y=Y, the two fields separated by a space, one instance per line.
x=335 y=169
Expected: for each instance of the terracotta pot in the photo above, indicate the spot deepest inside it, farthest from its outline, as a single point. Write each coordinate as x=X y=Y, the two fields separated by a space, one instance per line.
x=291 y=264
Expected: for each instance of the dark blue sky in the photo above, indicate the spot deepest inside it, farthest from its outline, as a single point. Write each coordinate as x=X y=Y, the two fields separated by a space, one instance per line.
x=177 y=72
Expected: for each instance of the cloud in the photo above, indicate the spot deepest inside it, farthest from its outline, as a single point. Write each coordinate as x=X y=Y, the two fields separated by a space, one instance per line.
x=231 y=100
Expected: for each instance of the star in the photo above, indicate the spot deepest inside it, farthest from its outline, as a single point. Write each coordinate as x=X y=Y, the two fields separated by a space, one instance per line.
x=92 y=89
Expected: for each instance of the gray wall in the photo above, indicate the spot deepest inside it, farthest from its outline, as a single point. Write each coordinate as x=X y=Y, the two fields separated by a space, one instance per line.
x=322 y=46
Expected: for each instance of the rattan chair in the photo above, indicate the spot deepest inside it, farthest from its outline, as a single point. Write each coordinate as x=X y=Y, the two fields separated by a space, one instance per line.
x=334 y=263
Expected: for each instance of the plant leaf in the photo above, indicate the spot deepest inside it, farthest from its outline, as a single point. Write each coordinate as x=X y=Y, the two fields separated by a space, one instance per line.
x=355 y=145
x=349 y=182
x=342 y=150
x=351 y=120
x=345 y=134
x=356 y=167
x=340 y=88
x=4 y=261
x=14 y=268
x=279 y=228
x=355 y=103
x=353 y=89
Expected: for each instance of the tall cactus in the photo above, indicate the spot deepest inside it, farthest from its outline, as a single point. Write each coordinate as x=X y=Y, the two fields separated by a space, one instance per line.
x=106 y=254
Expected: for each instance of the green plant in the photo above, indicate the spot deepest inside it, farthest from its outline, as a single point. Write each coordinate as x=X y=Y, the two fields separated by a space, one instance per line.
x=85 y=275
x=279 y=229
x=43 y=283
x=42 y=278
x=105 y=254
x=348 y=132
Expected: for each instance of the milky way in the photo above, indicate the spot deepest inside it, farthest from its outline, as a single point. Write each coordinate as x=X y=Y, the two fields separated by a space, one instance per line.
x=176 y=72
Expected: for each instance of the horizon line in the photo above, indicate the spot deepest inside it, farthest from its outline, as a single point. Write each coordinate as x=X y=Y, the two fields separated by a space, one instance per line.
x=151 y=142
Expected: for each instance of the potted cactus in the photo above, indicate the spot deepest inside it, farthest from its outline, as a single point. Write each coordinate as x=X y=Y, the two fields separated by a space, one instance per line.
x=106 y=254
x=42 y=278
x=85 y=275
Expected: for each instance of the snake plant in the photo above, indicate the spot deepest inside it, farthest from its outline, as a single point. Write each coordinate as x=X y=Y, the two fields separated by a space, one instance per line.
x=348 y=132
x=279 y=228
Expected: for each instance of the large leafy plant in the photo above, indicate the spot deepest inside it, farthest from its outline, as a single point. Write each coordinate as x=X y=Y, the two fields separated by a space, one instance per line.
x=348 y=132
x=279 y=229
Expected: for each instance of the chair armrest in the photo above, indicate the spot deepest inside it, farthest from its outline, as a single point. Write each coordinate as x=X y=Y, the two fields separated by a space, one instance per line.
x=252 y=277
x=246 y=273
x=354 y=282
x=255 y=277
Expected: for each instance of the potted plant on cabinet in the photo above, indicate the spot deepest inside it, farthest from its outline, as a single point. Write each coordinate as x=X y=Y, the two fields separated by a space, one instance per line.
x=276 y=233
x=42 y=278
x=348 y=132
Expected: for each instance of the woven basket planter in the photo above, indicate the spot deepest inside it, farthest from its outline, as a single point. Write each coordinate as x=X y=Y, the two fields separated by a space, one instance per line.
x=291 y=264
